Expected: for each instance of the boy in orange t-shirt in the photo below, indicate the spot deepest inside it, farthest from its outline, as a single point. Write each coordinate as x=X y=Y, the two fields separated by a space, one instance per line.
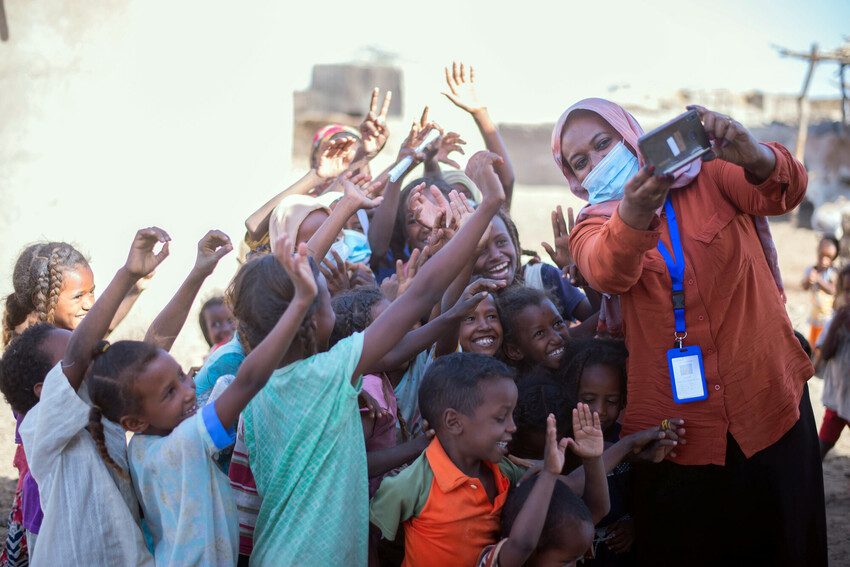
x=450 y=499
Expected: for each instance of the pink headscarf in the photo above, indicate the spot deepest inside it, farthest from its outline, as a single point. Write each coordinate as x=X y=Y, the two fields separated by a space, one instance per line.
x=610 y=319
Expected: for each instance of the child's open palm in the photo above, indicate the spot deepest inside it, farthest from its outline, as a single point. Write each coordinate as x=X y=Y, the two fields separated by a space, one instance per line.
x=367 y=198
x=332 y=159
x=425 y=211
x=142 y=261
x=587 y=441
x=214 y=246
x=560 y=254
x=462 y=88
x=553 y=452
x=297 y=267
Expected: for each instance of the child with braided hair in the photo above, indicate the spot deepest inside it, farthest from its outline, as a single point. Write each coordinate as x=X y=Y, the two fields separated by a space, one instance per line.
x=52 y=283
x=73 y=481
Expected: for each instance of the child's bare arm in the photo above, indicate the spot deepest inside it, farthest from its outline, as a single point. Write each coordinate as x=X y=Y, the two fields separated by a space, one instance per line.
x=435 y=276
x=352 y=201
x=419 y=339
x=526 y=529
x=651 y=444
x=588 y=443
x=140 y=262
x=265 y=358
x=462 y=94
x=167 y=325
x=257 y=224
x=383 y=221
x=384 y=460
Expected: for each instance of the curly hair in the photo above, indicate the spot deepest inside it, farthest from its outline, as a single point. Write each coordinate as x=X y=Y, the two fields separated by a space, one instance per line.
x=453 y=381
x=111 y=378
x=25 y=364
x=258 y=295
x=565 y=508
x=512 y=301
x=584 y=353
x=37 y=281
x=539 y=393
x=353 y=310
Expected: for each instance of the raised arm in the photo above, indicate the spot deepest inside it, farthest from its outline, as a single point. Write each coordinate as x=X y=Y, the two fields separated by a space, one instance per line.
x=527 y=526
x=422 y=338
x=462 y=94
x=587 y=442
x=258 y=366
x=257 y=224
x=353 y=200
x=383 y=220
x=141 y=261
x=167 y=325
x=435 y=276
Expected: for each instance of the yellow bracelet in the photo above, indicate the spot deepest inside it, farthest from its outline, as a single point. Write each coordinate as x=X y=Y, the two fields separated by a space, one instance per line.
x=665 y=425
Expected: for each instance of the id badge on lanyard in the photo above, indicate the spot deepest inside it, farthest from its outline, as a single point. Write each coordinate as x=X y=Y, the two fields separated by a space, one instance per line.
x=687 y=372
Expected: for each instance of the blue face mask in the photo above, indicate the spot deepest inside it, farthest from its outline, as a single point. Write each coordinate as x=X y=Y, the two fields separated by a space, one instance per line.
x=607 y=181
x=358 y=246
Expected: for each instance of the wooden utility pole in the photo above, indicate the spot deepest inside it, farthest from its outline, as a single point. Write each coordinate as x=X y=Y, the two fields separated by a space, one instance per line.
x=840 y=56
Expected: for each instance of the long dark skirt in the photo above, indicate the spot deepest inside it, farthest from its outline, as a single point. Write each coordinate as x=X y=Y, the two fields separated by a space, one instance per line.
x=765 y=510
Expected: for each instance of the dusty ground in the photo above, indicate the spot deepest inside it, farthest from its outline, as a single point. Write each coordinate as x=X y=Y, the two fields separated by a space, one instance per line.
x=531 y=209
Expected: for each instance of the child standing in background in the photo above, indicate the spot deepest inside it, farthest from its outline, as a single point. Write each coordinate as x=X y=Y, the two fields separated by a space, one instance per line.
x=834 y=354
x=216 y=322
x=819 y=281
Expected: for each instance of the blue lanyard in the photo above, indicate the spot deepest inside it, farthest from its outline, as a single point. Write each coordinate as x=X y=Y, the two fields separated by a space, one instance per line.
x=676 y=267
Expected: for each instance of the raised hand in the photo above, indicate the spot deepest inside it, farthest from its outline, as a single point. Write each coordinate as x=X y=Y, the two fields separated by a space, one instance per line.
x=336 y=273
x=427 y=211
x=297 y=267
x=448 y=143
x=462 y=88
x=373 y=129
x=587 y=441
x=560 y=254
x=333 y=160
x=734 y=143
x=480 y=168
x=141 y=260
x=474 y=294
x=214 y=246
x=554 y=450
x=363 y=198
x=405 y=273
x=418 y=131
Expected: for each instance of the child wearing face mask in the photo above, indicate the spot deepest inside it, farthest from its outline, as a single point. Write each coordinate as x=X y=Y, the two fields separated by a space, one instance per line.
x=450 y=499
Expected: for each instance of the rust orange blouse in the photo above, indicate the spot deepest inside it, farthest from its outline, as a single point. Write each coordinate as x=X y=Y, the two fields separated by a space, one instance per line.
x=755 y=368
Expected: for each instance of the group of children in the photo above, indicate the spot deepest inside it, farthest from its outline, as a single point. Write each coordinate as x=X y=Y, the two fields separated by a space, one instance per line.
x=387 y=383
